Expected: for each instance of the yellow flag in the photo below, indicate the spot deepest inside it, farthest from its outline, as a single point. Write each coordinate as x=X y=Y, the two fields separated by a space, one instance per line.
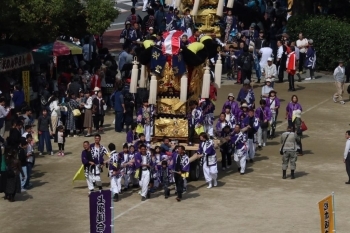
x=80 y=175
x=199 y=129
x=326 y=213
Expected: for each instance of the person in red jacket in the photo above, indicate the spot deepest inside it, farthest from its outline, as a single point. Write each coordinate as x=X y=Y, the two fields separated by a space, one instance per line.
x=213 y=92
x=195 y=36
x=96 y=79
x=291 y=68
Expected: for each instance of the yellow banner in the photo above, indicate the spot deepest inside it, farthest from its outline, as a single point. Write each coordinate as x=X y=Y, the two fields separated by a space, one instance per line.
x=26 y=90
x=326 y=213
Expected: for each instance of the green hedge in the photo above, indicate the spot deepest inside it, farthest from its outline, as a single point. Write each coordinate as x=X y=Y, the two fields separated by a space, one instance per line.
x=331 y=38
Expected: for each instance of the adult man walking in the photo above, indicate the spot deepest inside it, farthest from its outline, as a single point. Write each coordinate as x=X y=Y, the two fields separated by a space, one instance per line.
x=302 y=44
x=346 y=159
x=339 y=75
x=119 y=108
x=288 y=152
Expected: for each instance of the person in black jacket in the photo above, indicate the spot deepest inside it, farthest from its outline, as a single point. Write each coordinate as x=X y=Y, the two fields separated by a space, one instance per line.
x=22 y=157
x=14 y=138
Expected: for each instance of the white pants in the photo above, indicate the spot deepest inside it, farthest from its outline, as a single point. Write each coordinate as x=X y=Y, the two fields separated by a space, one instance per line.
x=209 y=129
x=147 y=129
x=116 y=184
x=144 y=182
x=210 y=172
x=251 y=149
x=145 y=2
x=241 y=161
x=92 y=177
x=2 y=130
x=262 y=136
x=54 y=122
x=24 y=169
x=273 y=119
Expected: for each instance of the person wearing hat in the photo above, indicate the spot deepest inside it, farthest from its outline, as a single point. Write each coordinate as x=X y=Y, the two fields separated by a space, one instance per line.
x=339 y=78
x=252 y=123
x=269 y=71
x=126 y=34
x=265 y=90
x=243 y=113
x=288 y=152
x=233 y=105
x=247 y=93
x=310 y=59
x=273 y=102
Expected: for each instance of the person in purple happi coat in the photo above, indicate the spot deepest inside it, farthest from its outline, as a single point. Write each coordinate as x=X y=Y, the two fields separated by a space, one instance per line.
x=273 y=102
x=195 y=120
x=263 y=113
x=233 y=105
x=143 y=163
x=180 y=169
x=221 y=124
x=292 y=106
x=252 y=123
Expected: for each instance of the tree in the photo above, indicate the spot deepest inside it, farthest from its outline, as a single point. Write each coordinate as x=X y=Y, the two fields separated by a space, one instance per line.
x=45 y=20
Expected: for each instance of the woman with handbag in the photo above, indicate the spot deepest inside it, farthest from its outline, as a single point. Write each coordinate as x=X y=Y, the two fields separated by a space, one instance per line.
x=73 y=111
x=263 y=113
x=98 y=109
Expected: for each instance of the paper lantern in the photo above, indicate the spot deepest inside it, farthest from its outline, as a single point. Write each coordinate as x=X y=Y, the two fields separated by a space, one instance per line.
x=153 y=90
x=206 y=83
x=218 y=71
x=134 y=75
x=183 y=90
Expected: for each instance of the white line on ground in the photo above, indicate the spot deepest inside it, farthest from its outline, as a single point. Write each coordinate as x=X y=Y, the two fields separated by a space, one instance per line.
x=307 y=110
x=127 y=211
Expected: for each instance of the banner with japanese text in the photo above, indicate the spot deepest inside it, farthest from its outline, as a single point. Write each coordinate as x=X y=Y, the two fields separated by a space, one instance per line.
x=26 y=85
x=16 y=62
x=326 y=213
x=100 y=212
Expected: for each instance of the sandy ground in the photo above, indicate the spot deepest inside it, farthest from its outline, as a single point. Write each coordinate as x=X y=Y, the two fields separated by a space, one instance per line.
x=259 y=201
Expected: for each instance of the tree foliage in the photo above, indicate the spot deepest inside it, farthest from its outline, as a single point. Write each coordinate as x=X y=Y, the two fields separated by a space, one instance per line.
x=44 y=20
x=329 y=35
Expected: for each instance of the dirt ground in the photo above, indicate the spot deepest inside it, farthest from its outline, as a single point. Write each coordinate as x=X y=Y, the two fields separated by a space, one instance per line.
x=259 y=201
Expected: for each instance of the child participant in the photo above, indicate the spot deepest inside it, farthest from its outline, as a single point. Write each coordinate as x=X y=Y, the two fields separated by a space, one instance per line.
x=131 y=135
x=129 y=175
x=165 y=178
x=61 y=139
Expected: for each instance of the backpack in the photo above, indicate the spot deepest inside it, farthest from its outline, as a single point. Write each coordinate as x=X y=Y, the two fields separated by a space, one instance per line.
x=246 y=62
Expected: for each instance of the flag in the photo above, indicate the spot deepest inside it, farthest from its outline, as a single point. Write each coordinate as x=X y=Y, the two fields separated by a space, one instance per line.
x=80 y=175
x=157 y=61
x=327 y=215
x=171 y=44
x=179 y=66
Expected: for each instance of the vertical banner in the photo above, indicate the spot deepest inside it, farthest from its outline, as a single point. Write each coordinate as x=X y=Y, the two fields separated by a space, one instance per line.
x=100 y=212
x=327 y=214
x=25 y=81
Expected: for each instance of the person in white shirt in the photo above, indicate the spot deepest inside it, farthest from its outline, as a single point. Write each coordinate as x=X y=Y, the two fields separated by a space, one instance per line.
x=55 y=113
x=3 y=114
x=346 y=159
x=266 y=52
x=339 y=78
x=265 y=90
x=302 y=46
x=270 y=71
